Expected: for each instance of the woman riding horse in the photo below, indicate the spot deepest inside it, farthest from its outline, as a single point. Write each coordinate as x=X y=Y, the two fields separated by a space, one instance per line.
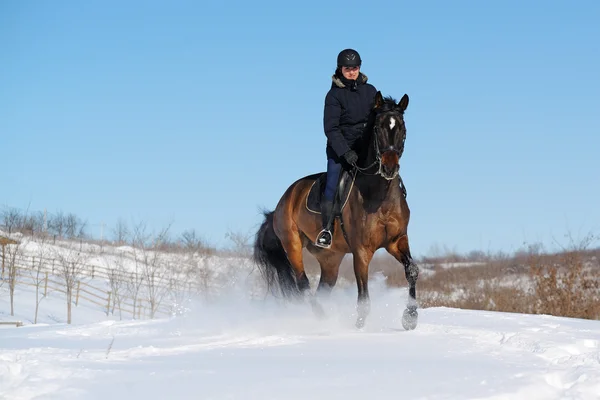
x=375 y=215
x=347 y=106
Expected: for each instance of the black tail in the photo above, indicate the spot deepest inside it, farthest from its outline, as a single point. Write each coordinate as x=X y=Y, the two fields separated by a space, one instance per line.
x=272 y=261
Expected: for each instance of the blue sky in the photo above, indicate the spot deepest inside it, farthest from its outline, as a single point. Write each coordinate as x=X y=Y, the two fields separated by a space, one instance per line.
x=201 y=113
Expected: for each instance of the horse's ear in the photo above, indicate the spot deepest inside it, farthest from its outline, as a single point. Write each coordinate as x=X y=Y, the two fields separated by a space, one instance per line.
x=403 y=103
x=378 y=100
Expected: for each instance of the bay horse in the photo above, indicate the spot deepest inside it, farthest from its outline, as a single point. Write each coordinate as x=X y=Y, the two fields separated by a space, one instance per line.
x=375 y=215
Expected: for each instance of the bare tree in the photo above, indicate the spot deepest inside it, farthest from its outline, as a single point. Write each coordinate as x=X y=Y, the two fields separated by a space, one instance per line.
x=57 y=224
x=29 y=224
x=121 y=232
x=181 y=287
x=156 y=272
x=192 y=243
x=133 y=285
x=157 y=275
x=72 y=265
x=39 y=272
x=38 y=223
x=2 y=282
x=13 y=259
x=241 y=243
x=12 y=219
x=74 y=226
x=136 y=279
x=117 y=282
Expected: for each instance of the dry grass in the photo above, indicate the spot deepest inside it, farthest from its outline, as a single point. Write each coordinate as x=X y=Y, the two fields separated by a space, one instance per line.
x=565 y=284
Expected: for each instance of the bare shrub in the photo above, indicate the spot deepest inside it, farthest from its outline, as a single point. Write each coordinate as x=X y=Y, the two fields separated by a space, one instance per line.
x=192 y=243
x=204 y=277
x=564 y=286
x=240 y=243
x=181 y=288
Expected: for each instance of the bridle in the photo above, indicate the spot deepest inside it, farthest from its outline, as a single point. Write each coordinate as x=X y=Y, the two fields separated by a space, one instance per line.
x=378 y=160
x=378 y=151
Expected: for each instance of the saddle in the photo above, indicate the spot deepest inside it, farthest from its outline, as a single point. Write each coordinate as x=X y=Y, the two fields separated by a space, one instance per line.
x=317 y=190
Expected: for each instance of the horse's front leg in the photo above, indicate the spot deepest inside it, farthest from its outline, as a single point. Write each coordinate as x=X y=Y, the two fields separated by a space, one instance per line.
x=362 y=259
x=400 y=249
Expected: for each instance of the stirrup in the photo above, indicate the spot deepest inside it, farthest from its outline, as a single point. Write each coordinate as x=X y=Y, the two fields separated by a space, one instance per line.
x=324 y=239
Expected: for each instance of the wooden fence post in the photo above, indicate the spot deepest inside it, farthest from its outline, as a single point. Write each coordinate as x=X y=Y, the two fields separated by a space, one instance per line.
x=108 y=304
x=46 y=285
x=77 y=295
x=92 y=272
x=3 y=257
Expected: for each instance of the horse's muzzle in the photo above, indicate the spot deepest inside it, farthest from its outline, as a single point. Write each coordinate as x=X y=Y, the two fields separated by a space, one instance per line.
x=390 y=164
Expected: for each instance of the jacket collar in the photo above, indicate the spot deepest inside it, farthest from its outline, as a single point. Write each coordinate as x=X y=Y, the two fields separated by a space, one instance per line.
x=342 y=82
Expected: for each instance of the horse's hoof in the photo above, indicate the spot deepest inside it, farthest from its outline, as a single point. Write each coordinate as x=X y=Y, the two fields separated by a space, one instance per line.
x=360 y=323
x=409 y=319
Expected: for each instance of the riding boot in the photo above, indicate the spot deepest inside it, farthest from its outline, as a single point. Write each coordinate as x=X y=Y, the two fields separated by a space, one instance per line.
x=325 y=237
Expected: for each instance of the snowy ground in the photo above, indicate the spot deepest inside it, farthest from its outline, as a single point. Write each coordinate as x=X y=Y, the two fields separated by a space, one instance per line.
x=235 y=349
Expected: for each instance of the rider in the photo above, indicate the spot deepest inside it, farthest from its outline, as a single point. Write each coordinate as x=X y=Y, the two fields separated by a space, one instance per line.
x=347 y=106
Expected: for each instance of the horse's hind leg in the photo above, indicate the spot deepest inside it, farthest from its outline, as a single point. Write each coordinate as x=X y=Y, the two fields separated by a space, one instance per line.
x=330 y=265
x=400 y=249
x=292 y=244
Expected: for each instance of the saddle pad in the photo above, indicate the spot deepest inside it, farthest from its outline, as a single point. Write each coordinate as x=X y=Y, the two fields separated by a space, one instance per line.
x=313 y=200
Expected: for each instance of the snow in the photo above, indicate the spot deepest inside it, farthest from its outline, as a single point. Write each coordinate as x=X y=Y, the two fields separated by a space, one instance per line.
x=233 y=344
x=233 y=348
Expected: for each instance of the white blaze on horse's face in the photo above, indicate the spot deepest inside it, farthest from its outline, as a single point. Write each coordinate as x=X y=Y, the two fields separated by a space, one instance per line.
x=392 y=123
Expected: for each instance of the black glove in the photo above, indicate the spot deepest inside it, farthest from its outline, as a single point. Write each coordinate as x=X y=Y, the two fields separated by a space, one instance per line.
x=350 y=157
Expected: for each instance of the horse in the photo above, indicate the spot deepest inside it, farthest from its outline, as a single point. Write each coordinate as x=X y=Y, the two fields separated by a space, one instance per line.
x=375 y=215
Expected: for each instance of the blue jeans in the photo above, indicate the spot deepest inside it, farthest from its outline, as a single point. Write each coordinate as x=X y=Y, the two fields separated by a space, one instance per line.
x=333 y=174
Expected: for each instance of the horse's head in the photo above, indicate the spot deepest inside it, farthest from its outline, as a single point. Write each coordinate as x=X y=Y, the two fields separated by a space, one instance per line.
x=389 y=133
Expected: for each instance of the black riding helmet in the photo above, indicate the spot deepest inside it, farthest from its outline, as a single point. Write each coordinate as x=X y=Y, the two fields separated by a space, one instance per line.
x=348 y=58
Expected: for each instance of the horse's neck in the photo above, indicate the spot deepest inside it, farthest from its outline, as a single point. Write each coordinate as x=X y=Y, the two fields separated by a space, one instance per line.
x=368 y=155
x=374 y=190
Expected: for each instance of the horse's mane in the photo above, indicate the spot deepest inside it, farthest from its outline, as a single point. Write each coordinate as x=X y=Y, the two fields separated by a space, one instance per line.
x=389 y=104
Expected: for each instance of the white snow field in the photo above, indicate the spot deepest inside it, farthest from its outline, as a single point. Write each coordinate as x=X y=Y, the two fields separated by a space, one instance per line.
x=235 y=348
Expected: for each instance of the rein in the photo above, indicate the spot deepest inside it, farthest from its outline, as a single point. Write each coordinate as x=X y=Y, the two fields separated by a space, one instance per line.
x=378 y=160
